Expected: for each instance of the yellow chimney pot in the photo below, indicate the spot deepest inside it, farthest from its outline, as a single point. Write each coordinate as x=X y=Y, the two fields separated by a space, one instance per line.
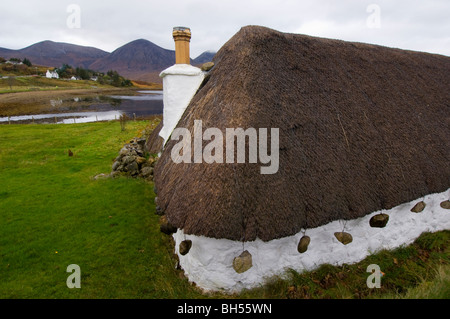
x=182 y=37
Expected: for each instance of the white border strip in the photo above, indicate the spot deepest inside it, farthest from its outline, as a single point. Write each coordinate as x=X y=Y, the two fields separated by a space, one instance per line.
x=209 y=261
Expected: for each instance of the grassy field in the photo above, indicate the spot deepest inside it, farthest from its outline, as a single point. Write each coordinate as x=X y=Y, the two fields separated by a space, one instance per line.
x=21 y=78
x=53 y=214
x=38 y=83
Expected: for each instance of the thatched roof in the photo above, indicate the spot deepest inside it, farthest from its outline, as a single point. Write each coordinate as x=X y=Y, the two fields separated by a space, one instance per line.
x=154 y=143
x=362 y=128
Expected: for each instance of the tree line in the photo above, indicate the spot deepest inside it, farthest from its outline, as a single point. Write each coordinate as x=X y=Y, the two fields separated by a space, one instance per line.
x=111 y=77
x=66 y=71
x=16 y=60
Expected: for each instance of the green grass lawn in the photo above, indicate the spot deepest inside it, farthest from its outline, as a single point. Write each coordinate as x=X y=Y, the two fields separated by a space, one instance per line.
x=53 y=214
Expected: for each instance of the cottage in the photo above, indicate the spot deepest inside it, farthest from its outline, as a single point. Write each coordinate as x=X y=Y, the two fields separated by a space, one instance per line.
x=51 y=75
x=363 y=131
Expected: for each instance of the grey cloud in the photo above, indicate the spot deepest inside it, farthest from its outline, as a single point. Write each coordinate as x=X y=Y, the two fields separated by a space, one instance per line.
x=418 y=25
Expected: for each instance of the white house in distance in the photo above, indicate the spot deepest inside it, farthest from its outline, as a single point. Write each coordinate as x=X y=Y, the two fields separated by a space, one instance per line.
x=51 y=75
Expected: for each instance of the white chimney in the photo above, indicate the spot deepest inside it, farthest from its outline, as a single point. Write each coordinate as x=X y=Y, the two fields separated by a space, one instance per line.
x=180 y=82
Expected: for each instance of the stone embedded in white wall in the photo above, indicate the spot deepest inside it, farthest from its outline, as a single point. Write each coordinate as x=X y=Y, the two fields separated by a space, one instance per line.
x=243 y=262
x=420 y=206
x=210 y=261
x=180 y=82
x=185 y=246
x=445 y=204
x=303 y=244
x=344 y=237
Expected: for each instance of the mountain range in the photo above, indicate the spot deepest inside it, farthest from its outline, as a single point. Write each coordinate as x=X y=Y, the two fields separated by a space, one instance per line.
x=137 y=60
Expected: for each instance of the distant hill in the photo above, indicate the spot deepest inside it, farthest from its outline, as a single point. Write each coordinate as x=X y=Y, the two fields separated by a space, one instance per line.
x=55 y=54
x=206 y=56
x=137 y=60
x=6 y=53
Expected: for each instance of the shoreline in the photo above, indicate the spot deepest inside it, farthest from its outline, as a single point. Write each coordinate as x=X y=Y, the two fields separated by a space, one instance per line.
x=38 y=102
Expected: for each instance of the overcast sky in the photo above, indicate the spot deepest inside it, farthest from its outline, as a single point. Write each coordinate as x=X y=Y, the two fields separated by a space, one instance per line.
x=421 y=25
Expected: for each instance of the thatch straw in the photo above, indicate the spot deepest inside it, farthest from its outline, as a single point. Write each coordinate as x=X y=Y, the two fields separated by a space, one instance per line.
x=154 y=143
x=362 y=128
